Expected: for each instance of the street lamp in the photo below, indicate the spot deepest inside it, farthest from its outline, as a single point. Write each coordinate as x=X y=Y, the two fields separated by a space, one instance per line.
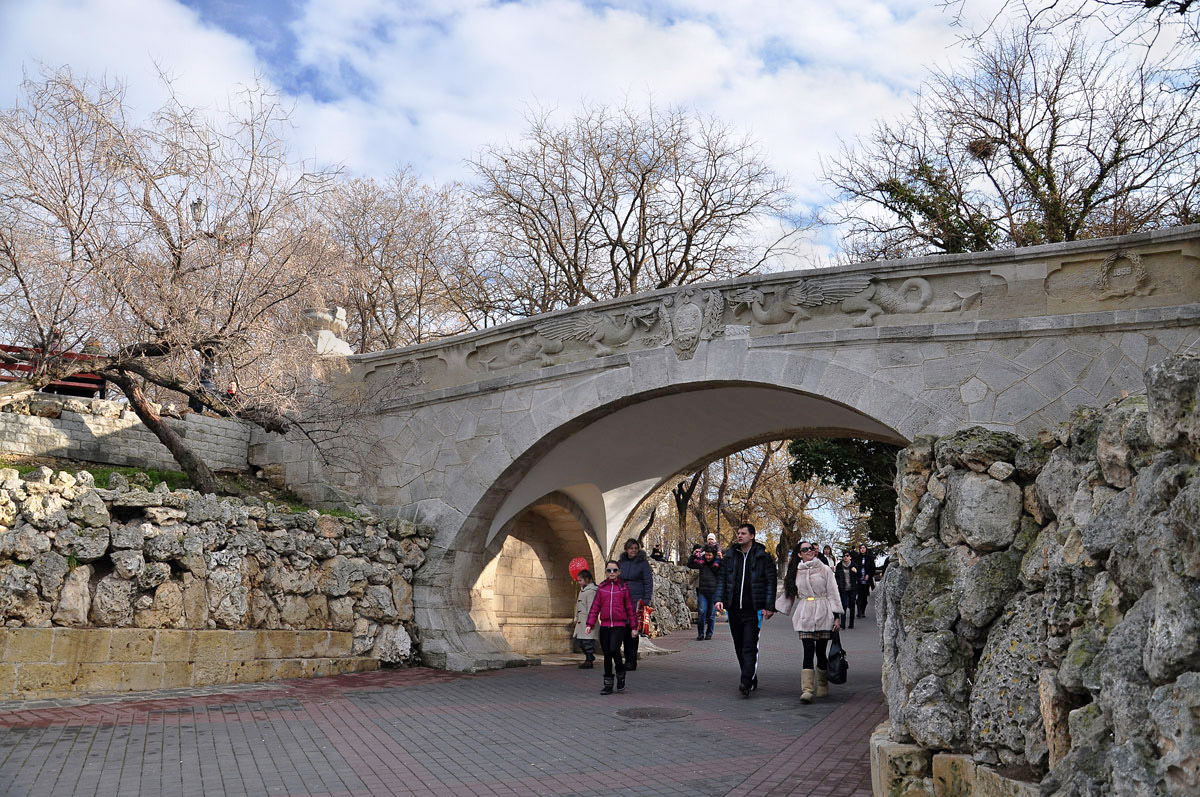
x=197 y=210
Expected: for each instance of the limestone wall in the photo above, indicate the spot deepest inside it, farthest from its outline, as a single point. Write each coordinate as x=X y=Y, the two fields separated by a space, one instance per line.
x=56 y=662
x=72 y=555
x=1041 y=614
x=674 y=597
x=94 y=430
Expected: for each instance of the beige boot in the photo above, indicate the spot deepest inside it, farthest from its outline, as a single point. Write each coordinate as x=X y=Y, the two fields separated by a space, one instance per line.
x=806 y=686
x=822 y=683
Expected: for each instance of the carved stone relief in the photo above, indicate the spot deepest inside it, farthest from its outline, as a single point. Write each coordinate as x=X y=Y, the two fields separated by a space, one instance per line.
x=788 y=304
x=407 y=375
x=698 y=315
x=1116 y=280
x=915 y=295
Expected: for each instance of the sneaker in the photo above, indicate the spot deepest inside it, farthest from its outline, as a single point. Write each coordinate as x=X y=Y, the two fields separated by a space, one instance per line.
x=700 y=637
x=707 y=637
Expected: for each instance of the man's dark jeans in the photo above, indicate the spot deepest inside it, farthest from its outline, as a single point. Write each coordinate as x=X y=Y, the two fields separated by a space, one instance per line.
x=744 y=625
x=848 y=606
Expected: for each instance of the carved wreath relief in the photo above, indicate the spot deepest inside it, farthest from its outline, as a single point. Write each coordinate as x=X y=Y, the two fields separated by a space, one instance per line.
x=1115 y=280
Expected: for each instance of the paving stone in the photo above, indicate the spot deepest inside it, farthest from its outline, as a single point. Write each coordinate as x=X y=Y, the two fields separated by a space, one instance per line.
x=534 y=730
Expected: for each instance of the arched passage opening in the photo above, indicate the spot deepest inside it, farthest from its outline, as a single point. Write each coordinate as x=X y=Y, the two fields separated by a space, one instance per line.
x=605 y=461
x=526 y=585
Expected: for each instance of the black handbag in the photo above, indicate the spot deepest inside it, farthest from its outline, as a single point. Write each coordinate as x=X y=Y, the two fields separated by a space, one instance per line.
x=838 y=666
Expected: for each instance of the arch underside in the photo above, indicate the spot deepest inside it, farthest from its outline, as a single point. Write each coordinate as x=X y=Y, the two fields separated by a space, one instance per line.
x=612 y=463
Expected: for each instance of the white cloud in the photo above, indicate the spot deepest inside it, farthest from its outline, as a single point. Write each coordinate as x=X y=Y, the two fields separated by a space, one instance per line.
x=127 y=40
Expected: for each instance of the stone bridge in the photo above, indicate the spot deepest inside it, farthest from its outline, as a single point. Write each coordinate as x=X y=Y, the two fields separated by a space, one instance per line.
x=532 y=442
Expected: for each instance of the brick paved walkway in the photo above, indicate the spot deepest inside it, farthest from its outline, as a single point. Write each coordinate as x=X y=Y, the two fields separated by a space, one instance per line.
x=543 y=730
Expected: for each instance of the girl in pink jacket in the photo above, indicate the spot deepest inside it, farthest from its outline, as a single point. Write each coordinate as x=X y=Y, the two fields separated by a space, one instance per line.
x=613 y=610
x=811 y=598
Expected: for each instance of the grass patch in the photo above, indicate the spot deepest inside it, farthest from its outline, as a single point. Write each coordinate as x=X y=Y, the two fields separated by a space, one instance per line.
x=174 y=479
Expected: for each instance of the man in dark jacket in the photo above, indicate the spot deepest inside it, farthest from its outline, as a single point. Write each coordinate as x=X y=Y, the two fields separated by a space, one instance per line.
x=705 y=560
x=639 y=578
x=746 y=589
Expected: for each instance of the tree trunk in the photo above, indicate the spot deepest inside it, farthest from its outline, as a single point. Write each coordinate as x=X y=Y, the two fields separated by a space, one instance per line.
x=200 y=475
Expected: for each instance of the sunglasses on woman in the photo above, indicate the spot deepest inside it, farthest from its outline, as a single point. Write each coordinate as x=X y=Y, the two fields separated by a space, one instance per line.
x=612 y=570
x=806 y=549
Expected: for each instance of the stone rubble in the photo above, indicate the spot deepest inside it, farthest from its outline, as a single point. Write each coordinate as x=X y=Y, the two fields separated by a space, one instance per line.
x=72 y=554
x=1040 y=615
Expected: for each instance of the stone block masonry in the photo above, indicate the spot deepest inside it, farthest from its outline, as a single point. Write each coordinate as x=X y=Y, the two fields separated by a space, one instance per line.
x=1041 y=613
x=94 y=430
x=121 y=589
x=59 y=662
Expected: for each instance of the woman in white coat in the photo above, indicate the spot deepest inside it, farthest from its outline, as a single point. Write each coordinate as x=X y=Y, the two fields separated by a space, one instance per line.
x=810 y=596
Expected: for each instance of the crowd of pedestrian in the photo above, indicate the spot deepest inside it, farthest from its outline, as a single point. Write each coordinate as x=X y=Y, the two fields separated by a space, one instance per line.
x=819 y=595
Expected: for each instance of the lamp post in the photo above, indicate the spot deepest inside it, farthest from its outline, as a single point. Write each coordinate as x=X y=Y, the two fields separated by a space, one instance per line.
x=197 y=210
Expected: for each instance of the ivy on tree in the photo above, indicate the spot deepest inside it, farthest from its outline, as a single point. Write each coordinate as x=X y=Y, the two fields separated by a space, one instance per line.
x=864 y=467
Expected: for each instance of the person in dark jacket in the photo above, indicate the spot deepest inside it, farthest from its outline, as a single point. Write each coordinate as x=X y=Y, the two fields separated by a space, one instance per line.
x=845 y=573
x=864 y=579
x=746 y=589
x=639 y=578
x=705 y=560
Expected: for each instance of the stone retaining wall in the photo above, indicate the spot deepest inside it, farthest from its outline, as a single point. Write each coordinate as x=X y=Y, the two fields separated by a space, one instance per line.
x=1041 y=613
x=75 y=556
x=58 y=662
x=674 y=597
x=94 y=430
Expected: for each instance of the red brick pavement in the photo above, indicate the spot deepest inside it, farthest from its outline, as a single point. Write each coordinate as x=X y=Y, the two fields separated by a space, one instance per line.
x=534 y=731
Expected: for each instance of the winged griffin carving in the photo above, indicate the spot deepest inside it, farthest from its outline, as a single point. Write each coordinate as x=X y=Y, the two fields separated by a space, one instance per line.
x=788 y=305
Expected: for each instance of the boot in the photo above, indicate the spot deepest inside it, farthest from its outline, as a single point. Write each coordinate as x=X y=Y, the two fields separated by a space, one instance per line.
x=587 y=665
x=822 y=683
x=620 y=682
x=807 y=682
x=608 y=685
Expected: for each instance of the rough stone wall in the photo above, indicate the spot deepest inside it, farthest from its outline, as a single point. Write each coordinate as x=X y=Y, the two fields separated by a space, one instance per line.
x=74 y=555
x=1041 y=613
x=95 y=430
x=674 y=597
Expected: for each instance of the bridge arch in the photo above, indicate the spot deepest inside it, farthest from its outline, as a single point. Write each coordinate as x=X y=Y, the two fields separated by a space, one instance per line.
x=601 y=403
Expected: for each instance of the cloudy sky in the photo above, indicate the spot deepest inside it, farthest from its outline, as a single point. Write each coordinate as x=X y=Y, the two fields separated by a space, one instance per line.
x=378 y=83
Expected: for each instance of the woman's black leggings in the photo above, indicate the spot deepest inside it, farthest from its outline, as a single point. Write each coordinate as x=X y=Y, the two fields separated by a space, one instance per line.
x=818 y=646
x=611 y=638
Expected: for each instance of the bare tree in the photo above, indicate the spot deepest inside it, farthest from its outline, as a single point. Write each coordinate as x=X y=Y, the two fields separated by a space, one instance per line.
x=616 y=201
x=183 y=249
x=408 y=247
x=1040 y=138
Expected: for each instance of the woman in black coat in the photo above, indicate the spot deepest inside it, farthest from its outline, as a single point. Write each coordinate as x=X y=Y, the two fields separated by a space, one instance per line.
x=639 y=578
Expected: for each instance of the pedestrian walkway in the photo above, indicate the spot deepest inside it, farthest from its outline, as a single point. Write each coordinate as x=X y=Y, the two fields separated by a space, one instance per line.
x=681 y=728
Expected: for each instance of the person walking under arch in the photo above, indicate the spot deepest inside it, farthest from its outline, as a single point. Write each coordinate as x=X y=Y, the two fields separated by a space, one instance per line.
x=845 y=575
x=746 y=589
x=864 y=580
x=613 y=611
x=705 y=560
x=583 y=607
x=639 y=578
x=810 y=595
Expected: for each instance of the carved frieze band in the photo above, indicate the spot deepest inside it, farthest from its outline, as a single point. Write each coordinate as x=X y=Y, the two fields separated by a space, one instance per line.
x=691 y=314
